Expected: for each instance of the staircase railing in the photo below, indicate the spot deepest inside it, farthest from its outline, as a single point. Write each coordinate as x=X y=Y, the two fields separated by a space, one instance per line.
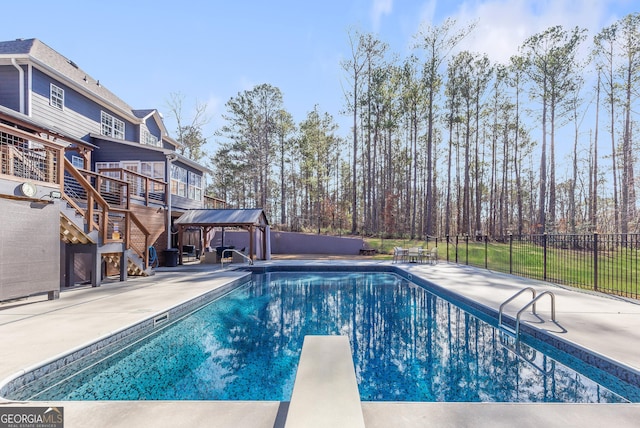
x=87 y=201
x=114 y=223
x=136 y=235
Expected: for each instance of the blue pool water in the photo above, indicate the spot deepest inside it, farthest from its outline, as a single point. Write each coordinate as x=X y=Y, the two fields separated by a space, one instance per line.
x=408 y=345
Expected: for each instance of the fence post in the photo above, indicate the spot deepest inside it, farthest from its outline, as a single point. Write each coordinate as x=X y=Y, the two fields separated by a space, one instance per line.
x=447 y=248
x=466 y=239
x=595 y=261
x=544 y=256
x=457 y=241
x=510 y=253
x=486 y=251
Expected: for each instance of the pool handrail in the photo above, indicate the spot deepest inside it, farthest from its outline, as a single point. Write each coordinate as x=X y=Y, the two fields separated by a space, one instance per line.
x=533 y=302
x=533 y=292
x=247 y=258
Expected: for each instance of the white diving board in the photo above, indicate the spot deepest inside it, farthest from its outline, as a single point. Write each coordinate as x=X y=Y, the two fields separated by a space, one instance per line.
x=325 y=392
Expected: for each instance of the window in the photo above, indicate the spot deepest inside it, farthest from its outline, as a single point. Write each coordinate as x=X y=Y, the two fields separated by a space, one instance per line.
x=56 y=97
x=195 y=186
x=77 y=161
x=149 y=139
x=111 y=126
x=108 y=165
x=108 y=185
x=152 y=169
x=178 y=181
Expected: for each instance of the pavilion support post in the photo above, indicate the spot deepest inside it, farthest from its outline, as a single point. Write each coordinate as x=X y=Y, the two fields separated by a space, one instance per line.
x=252 y=244
x=205 y=238
x=180 y=234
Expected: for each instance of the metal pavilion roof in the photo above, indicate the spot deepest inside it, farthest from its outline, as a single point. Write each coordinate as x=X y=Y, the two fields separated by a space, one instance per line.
x=223 y=218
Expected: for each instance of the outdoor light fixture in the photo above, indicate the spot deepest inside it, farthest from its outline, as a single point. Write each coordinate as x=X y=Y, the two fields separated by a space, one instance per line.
x=28 y=189
x=55 y=194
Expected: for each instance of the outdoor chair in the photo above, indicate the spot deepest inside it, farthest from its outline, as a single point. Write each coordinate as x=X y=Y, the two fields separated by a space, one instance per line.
x=399 y=254
x=414 y=255
x=432 y=256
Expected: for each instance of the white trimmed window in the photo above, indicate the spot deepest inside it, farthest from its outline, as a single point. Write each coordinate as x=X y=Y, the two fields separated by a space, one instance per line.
x=112 y=126
x=178 y=181
x=195 y=186
x=149 y=139
x=152 y=169
x=77 y=161
x=56 y=96
x=108 y=186
x=108 y=165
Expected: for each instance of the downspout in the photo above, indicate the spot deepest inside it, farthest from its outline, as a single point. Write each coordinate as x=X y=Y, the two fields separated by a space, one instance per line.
x=170 y=158
x=21 y=84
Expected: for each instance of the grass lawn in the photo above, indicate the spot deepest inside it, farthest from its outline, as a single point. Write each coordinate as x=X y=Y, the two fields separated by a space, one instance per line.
x=617 y=270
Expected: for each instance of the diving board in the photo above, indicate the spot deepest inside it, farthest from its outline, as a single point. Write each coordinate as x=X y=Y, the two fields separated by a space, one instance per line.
x=325 y=392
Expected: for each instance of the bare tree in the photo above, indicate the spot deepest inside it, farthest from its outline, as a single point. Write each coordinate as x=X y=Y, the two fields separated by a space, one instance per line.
x=436 y=42
x=629 y=35
x=551 y=59
x=605 y=56
x=354 y=68
x=189 y=132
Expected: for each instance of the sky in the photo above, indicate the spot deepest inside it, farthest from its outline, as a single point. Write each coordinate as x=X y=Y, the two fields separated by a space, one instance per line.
x=208 y=51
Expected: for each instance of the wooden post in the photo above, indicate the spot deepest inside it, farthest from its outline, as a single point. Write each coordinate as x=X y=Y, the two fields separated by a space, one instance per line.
x=180 y=232
x=251 y=243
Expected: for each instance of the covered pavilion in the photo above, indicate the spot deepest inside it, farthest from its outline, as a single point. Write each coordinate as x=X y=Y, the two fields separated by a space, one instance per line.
x=207 y=219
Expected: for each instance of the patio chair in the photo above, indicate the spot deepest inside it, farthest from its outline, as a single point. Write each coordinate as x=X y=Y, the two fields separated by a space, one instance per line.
x=399 y=254
x=432 y=256
x=414 y=255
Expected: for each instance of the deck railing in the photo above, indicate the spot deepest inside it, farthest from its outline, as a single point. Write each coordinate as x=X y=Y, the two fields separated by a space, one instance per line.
x=141 y=187
x=29 y=156
x=115 y=192
x=214 y=203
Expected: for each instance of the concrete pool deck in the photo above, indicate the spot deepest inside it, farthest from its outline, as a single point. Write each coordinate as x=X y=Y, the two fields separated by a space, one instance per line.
x=35 y=330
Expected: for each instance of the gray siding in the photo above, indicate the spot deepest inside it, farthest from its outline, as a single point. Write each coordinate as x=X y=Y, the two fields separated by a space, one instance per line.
x=114 y=152
x=9 y=89
x=29 y=248
x=153 y=128
x=79 y=117
x=74 y=119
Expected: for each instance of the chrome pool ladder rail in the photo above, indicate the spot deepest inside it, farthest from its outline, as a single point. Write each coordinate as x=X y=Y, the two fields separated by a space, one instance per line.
x=244 y=256
x=532 y=303
x=533 y=292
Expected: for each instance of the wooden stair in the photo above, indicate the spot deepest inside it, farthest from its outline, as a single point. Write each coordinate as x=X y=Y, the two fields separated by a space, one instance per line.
x=70 y=233
x=132 y=268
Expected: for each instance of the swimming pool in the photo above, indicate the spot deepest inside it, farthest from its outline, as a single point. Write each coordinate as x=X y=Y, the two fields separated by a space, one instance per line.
x=408 y=345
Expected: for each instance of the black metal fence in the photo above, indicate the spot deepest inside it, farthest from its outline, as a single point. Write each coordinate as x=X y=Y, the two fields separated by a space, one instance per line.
x=607 y=263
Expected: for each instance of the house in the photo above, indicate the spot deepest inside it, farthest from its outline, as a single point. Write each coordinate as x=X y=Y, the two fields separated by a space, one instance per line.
x=118 y=173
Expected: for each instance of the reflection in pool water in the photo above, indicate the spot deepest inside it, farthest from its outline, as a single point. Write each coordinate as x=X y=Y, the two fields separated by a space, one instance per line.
x=408 y=345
